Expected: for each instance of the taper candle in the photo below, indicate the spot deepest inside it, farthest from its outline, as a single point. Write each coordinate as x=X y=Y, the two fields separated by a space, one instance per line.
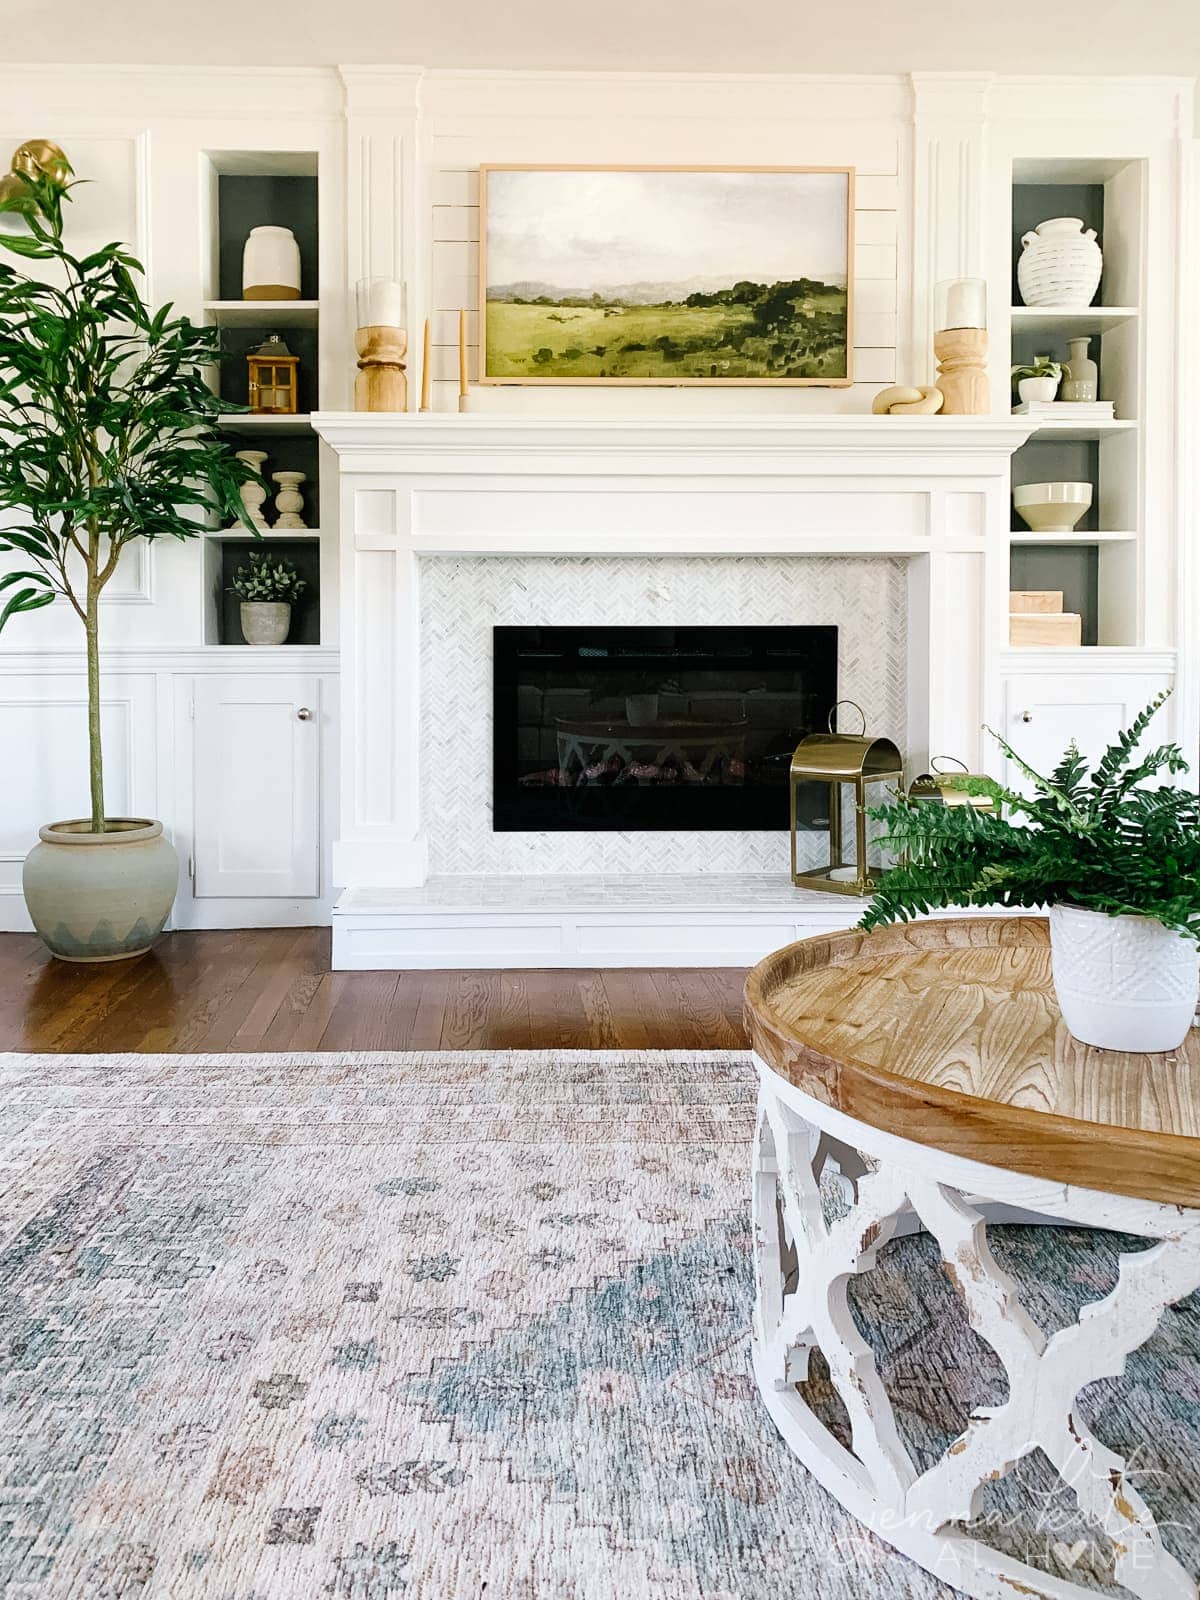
x=425 y=369
x=462 y=354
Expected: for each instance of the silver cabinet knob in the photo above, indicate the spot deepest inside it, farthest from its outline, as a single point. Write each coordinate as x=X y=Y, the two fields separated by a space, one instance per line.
x=304 y=714
x=1027 y=716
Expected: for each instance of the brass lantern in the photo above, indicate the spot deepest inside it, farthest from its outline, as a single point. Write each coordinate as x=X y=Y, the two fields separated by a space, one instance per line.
x=940 y=787
x=273 y=378
x=853 y=760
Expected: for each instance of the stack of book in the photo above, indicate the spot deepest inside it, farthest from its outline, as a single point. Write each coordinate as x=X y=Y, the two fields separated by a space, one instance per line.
x=1036 y=618
x=1066 y=410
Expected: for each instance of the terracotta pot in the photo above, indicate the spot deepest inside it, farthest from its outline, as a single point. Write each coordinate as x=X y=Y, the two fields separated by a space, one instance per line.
x=265 y=621
x=1123 y=983
x=100 y=896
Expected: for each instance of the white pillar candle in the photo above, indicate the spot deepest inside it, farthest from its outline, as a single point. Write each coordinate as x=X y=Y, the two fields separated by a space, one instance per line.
x=381 y=303
x=960 y=303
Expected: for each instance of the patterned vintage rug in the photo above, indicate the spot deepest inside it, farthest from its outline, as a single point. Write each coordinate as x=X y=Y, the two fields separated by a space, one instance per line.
x=451 y=1326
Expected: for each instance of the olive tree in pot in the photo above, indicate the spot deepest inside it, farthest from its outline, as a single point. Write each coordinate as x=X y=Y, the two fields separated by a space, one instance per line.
x=107 y=435
x=1114 y=854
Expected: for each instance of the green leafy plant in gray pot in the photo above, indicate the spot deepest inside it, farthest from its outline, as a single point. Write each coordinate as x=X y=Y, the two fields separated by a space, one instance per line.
x=268 y=586
x=1114 y=853
x=107 y=435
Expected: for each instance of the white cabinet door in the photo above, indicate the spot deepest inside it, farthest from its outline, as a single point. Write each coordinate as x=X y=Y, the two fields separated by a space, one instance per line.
x=257 y=779
x=1044 y=713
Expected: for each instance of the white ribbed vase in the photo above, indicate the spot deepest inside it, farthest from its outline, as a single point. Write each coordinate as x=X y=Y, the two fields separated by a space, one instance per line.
x=1060 y=264
x=271 y=265
x=1123 y=983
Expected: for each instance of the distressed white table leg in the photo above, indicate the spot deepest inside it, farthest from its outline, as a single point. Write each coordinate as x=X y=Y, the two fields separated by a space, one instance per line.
x=804 y=1262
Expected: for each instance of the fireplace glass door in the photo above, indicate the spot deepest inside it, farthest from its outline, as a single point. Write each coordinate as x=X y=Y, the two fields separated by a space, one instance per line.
x=623 y=729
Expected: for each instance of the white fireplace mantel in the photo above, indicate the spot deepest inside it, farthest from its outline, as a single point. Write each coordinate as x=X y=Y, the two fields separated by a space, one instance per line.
x=932 y=490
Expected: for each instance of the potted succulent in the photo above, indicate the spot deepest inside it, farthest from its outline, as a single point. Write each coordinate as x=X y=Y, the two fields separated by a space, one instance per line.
x=1114 y=854
x=107 y=435
x=267 y=586
x=1039 y=381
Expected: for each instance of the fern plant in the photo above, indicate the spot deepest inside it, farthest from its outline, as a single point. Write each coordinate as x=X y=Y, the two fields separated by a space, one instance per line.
x=1113 y=840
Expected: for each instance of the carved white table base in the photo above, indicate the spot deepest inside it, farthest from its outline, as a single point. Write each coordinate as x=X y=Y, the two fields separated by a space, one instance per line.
x=804 y=1263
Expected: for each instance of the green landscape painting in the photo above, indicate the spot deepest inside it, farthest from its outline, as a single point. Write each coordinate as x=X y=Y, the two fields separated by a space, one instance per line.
x=665 y=275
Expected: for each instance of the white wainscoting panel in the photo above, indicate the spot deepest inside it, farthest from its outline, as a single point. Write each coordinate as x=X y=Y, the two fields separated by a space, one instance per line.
x=43 y=729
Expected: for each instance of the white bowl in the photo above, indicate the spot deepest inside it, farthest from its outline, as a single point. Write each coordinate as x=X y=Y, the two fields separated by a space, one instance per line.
x=1052 y=507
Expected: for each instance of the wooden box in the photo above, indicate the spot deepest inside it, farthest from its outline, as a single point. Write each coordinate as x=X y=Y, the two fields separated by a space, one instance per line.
x=1043 y=601
x=1044 y=629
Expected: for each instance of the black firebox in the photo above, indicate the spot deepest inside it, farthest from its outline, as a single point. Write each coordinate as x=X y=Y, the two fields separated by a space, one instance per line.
x=623 y=729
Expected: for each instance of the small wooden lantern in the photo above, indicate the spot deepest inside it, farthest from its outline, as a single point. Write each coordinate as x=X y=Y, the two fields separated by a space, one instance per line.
x=940 y=787
x=837 y=759
x=273 y=378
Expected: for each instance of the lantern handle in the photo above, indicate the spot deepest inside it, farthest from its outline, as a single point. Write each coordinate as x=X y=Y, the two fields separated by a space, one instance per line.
x=933 y=762
x=831 y=720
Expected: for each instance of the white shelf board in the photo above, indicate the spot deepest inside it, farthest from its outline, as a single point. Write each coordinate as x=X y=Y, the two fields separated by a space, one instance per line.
x=253 y=422
x=263 y=313
x=1077 y=536
x=1052 y=428
x=1072 y=319
x=222 y=535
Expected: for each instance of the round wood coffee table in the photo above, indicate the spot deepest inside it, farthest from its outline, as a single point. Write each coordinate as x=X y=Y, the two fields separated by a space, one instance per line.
x=925 y=1070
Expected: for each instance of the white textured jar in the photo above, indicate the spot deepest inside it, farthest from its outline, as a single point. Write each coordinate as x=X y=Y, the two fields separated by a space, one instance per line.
x=271 y=265
x=1123 y=983
x=1060 y=264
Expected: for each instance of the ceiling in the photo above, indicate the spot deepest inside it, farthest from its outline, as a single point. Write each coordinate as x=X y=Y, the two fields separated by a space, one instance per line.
x=871 y=36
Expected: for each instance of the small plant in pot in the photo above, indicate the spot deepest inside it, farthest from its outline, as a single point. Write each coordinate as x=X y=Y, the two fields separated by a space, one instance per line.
x=1039 y=381
x=268 y=586
x=1114 y=854
x=107 y=435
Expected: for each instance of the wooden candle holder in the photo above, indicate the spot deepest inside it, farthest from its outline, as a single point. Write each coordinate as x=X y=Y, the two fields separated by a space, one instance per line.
x=962 y=371
x=381 y=384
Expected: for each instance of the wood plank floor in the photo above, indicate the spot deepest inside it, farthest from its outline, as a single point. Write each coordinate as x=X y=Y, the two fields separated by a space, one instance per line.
x=271 y=989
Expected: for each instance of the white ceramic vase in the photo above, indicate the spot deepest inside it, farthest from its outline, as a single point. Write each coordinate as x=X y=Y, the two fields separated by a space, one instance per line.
x=271 y=265
x=1082 y=374
x=253 y=495
x=265 y=621
x=1060 y=264
x=1123 y=983
x=289 y=501
x=1036 y=389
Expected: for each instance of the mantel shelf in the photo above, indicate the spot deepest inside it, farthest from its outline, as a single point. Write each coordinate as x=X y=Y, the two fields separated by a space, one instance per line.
x=475 y=441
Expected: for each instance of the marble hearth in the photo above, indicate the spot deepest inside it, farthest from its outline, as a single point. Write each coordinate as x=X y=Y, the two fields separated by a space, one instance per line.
x=892 y=529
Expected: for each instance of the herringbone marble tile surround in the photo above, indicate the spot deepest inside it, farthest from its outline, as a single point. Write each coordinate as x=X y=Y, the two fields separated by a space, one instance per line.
x=463 y=598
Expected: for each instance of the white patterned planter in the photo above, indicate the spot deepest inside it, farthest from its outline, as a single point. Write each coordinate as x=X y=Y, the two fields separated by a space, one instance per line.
x=1123 y=983
x=1060 y=264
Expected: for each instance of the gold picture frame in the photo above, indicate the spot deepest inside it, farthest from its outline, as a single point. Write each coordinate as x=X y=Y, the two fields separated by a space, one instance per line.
x=589 y=315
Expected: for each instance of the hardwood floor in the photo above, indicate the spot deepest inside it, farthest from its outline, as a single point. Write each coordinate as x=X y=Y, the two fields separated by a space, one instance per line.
x=271 y=989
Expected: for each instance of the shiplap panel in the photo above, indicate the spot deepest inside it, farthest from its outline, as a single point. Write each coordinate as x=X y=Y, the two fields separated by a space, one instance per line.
x=462 y=137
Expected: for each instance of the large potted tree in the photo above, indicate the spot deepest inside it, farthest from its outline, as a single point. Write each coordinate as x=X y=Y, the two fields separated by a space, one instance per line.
x=107 y=434
x=1113 y=853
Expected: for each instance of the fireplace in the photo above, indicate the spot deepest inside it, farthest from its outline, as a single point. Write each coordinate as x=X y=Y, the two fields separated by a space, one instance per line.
x=628 y=729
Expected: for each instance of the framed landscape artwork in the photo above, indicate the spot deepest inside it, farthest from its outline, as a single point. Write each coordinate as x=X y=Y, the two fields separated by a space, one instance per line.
x=666 y=275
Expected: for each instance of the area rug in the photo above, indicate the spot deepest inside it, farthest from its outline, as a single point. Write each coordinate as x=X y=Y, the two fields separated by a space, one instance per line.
x=444 y=1326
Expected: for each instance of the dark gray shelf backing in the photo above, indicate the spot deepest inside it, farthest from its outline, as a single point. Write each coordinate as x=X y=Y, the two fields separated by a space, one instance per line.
x=254 y=202
x=286 y=453
x=1059 y=461
x=235 y=375
x=1038 y=202
x=1075 y=569
x=305 y=555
